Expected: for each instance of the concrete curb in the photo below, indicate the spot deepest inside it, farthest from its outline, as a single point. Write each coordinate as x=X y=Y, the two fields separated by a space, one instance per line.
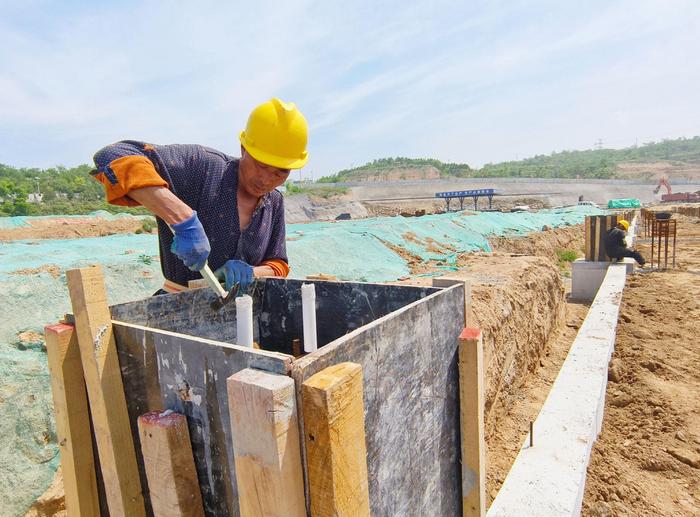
x=548 y=479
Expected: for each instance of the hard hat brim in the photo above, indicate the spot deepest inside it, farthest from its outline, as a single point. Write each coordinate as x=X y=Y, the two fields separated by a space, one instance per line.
x=281 y=162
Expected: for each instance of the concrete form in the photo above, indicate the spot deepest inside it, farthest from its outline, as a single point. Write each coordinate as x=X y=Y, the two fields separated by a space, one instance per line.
x=176 y=353
x=548 y=479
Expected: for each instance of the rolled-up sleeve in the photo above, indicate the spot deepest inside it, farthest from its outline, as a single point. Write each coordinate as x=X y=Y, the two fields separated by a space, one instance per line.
x=123 y=167
x=129 y=165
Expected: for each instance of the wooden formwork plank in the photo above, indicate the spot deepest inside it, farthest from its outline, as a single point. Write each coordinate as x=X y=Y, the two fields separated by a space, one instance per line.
x=447 y=281
x=103 y=379
x=266 y=445
x=587 y=237
x=471 y=398
x=72 y=420
x=596 y=243
x=334 y=434
x=169 y=464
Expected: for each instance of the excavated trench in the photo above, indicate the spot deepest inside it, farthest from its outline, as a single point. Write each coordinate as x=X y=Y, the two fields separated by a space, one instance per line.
x=518 y=300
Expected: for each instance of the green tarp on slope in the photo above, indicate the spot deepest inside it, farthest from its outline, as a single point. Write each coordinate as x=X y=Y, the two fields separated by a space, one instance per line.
x=624 y=203
x=361 y=250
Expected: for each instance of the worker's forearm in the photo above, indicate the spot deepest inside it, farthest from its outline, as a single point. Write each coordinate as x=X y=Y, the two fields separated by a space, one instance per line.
x=259 y=271
x=163 y=203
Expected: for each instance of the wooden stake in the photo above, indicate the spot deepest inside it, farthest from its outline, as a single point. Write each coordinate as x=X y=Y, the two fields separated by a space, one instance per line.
x=169 y=464
x=334 y=433
x=266 y=445
x=72 y=420
x=597 y=243
x=110 y=418
x=587 y=237
x=297 y=351
x=471 y=416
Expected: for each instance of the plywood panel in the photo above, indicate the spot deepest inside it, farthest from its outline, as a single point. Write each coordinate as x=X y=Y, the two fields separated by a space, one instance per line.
x=166 y=370
x=409 y=362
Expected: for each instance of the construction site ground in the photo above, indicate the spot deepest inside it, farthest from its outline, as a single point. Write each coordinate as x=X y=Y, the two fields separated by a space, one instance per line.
x=657 y=371
x=647 y=458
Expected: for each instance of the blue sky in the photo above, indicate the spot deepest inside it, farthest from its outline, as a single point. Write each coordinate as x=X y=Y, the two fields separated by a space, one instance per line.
x=474 y=82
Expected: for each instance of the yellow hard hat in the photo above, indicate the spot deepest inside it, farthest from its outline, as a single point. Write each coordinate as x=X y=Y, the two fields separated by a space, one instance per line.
x=276 y=134
x=624 y=224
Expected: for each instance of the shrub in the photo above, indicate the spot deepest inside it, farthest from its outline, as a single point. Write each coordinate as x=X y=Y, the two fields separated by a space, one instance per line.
x=148 y=225
x=565 y=257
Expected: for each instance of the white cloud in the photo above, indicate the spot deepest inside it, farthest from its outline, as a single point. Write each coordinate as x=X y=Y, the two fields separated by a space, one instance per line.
x=475 y=82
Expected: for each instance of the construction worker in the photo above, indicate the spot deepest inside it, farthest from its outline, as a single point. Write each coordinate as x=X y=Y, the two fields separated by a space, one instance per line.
x=222 y=210
x=615 y=245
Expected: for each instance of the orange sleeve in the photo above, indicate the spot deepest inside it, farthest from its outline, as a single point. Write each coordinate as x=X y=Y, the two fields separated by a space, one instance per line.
x=279 y=266
x=125 y=174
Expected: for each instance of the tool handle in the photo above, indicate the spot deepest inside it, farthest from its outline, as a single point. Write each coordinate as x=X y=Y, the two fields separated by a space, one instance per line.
x=209 y=276
x=213 y=282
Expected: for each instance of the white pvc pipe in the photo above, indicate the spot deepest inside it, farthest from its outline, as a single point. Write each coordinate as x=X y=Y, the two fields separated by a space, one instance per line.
x=308 y=309
x=244 y=320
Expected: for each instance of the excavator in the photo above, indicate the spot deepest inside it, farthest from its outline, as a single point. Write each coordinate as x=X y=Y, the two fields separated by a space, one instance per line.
x=687 y=197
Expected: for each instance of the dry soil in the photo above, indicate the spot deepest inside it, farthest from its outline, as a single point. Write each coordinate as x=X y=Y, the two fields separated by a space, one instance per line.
x=647 y=458
x=69 y=228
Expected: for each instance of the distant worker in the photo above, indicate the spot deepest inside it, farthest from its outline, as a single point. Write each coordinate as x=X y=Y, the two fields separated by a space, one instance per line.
x=221 y=209
x=615 y=245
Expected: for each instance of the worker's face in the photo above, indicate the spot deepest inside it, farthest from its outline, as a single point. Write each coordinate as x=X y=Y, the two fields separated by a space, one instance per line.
x=257 y=178
x=620 y=227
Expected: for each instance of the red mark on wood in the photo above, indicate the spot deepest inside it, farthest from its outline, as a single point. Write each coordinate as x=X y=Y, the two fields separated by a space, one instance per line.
x=161 y=418
x=58 y=328
x=470 y=333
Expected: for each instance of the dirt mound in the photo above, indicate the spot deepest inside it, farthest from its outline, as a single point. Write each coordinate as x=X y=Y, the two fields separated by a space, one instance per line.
x=543 y=244
x=52 y=503
x=69 y=228
x=51 y=269
x=647 y=459
x=303 y=208
x=513 y=425
x=518 y=302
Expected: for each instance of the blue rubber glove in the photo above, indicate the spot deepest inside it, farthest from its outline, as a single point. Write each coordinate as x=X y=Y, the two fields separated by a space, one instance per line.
x=236 y=272
x=190 y=243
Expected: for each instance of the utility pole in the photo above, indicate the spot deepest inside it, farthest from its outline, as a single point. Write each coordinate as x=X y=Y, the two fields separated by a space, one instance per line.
x=598 y=144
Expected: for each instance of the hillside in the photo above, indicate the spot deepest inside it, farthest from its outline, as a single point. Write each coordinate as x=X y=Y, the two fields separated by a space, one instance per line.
x=678 y=158
x=72 y=191
x=387 y=169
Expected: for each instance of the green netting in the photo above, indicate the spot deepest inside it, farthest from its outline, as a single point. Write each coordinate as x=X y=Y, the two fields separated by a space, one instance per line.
x=35 y=295
x=31 y=299
x=363 y=249
x=624 y=203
